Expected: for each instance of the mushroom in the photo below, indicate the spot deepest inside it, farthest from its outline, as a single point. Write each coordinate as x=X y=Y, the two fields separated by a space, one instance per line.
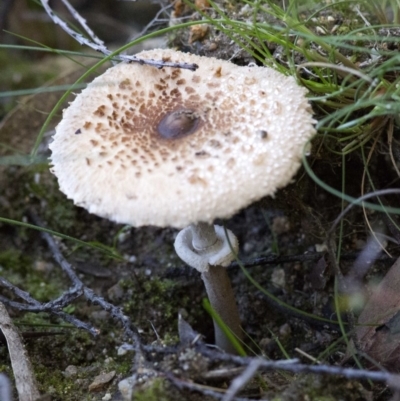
x=172 y=147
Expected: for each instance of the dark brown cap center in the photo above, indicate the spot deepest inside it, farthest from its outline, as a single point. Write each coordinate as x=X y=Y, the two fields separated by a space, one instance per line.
x=178 y=124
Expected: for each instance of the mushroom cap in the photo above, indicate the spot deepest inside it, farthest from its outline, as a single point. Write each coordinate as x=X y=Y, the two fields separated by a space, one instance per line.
x=171 y=147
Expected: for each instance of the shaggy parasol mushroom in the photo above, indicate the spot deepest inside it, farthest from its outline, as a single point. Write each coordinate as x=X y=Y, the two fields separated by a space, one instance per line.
x=171 y=147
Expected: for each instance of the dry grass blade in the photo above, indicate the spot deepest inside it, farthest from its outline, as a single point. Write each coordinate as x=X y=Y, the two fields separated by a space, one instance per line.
x=24 y=379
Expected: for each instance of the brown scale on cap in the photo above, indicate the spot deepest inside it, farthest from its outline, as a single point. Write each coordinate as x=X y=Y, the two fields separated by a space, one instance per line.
x=172 y=147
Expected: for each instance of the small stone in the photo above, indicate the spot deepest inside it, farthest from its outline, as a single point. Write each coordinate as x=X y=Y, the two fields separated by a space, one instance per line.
x=197 y=32
x=126 y=387
x=70 y=371
x=278 y=278
x=107 y=397
x=42 y=266
x=124 y=348
x=280 y=225
x=248 y=247
x=212 y=46
x=130 y=258
x=101 y=380
x=321 y=247
x=123 y=236
x=264 y=342
x=285 y=330
x=115 y=293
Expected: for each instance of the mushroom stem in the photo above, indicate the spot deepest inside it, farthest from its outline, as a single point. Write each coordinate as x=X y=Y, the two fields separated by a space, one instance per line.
x=222 y=300
x=206 y=248
x=203 y=236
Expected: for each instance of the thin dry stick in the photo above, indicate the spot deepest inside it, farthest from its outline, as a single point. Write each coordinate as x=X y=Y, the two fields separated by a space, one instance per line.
x=83 y=23
x=292 y=365
x=98 y=45
x=289 y=365
x=77 y=290
x=154 y=21
x=309 y=257
x=24 y=379
x=130 y=330
x=239 y=382
x=32 y=305
x=202 y=389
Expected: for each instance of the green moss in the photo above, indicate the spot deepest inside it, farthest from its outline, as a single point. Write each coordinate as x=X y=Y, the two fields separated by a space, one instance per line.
x=35 y=320
x=153 y=304
x=60 y=213
x=156 y=390
x=52 y=381
x=157 y=293
x=12 y=259
x=123 y=365
x=19 y=269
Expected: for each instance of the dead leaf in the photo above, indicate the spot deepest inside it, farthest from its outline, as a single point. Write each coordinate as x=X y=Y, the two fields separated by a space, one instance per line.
x=317 y=277
x=101 y=381
x=378 y=329
x=385 y=347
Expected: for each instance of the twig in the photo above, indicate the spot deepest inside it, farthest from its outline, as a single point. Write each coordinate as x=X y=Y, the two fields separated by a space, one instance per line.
x=309 y=257
x=205 y=390
x=130 y=330
x=83 y=23
x=78 y=289
x=32 y=305
x=36 y=306
x=98 y=45
x=240 y=381
x=24 y=379
x=183 y=270
x=290 y=365
x=294 y=366
x=155 y=19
